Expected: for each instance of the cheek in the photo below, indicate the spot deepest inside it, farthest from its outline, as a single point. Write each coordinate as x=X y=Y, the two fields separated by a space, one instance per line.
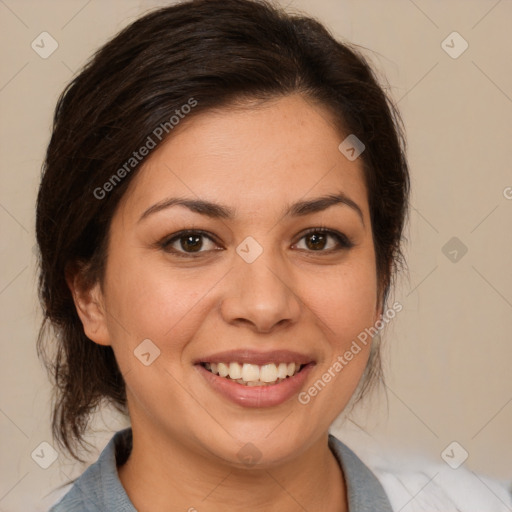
x=345 y=301
x=148 y=301
x=345 y=308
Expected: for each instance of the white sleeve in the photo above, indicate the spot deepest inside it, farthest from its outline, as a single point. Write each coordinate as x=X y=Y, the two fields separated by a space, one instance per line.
x=437 y=487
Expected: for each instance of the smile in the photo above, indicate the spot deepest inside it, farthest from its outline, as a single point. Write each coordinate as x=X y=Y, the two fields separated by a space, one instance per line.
x=248 y=374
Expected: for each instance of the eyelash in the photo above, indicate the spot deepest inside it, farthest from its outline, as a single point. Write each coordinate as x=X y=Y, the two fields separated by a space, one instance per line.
x=343 y=241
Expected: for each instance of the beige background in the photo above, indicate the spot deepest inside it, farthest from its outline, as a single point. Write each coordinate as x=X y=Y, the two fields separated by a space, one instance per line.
x=448 y=353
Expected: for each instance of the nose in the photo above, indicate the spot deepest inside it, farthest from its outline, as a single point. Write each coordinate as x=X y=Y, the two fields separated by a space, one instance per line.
x=261 y=295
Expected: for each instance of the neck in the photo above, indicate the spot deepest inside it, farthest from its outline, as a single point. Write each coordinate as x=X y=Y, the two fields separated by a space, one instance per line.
x=161 y=473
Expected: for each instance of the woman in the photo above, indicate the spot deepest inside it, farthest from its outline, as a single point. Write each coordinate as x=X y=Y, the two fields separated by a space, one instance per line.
x=219 y=221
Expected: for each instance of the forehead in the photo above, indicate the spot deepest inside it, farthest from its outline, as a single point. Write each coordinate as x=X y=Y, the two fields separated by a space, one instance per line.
x=254 y=159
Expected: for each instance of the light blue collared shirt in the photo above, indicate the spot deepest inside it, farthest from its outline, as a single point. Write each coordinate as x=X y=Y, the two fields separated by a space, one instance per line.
x=99 y=489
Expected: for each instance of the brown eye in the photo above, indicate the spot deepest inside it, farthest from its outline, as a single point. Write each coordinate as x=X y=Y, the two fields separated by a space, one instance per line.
x=187 y=243
x=317 y=240
x=192 y=242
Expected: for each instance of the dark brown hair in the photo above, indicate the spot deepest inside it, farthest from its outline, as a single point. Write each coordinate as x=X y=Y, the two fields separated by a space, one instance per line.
x=217 y=53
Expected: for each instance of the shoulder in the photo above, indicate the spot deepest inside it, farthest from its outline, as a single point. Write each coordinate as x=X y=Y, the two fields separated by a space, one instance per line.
x=416 y=484
x=70 y=502
x=431 y=486
x=83 y=494
x=99 y=487
x=364 y=491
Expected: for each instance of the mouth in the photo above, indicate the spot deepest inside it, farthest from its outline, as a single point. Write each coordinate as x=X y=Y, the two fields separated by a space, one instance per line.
x=255 y=379
x=252 y=375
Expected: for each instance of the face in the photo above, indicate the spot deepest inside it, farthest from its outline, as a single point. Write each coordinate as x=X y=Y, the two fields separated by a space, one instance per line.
x=252 y=280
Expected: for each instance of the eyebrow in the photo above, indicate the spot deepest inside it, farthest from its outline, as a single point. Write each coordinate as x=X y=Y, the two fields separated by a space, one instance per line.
x=219 y=211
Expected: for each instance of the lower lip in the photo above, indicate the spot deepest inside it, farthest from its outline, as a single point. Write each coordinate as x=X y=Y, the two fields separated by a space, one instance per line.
x=257 y=396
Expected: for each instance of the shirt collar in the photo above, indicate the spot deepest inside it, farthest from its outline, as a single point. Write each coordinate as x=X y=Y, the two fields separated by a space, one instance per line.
x=364 y=491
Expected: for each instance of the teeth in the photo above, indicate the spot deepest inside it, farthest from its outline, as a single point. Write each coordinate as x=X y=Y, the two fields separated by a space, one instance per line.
x=282 y=370
x=253 y=374
x=222 y=369
x=250 y=372
x=235 y=371
x=291 y=369
x=268 y=373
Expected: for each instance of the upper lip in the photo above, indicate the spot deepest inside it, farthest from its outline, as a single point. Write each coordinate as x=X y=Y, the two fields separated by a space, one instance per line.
x=256 y=357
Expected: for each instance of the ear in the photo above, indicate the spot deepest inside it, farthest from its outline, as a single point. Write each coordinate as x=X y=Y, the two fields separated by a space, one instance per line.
x=89 y=303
